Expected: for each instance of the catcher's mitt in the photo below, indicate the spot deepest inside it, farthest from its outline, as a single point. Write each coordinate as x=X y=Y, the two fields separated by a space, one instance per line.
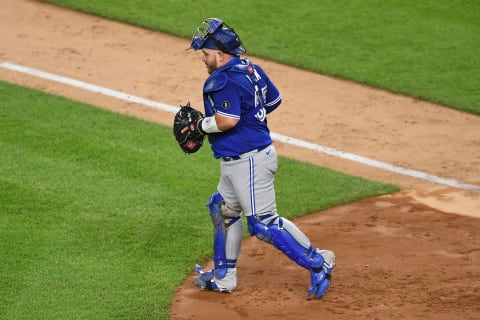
x=186 y=130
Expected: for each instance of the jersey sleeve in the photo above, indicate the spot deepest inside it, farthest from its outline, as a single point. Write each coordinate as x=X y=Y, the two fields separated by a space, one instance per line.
x=227 y=101
x=273 y=97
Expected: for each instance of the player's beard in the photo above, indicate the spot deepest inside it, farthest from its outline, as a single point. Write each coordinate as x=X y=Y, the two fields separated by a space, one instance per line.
x=210 y=68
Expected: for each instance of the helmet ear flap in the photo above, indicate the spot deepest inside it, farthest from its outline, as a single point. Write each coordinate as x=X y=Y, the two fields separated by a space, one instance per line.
x=226 y=40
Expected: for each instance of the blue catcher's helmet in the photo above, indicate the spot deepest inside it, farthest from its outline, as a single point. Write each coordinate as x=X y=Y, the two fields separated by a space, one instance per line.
x=215 y=34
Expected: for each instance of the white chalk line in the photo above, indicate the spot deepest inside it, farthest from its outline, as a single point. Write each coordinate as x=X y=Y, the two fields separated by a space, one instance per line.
x=275 y=136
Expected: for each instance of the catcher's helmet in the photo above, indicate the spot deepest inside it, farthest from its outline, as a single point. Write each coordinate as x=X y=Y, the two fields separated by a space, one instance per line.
x=215 y=34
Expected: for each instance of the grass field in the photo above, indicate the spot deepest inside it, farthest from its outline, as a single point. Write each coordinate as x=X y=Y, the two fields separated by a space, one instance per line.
x=426 y=49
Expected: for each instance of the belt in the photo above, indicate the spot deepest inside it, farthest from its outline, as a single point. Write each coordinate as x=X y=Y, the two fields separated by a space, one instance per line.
x=246 y=154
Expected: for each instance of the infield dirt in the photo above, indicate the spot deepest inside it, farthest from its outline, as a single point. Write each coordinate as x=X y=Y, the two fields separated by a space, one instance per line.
x=414 y=254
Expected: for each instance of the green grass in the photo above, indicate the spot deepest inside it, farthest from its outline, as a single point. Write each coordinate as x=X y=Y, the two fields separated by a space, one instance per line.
x=426 y=49
x=102 y=216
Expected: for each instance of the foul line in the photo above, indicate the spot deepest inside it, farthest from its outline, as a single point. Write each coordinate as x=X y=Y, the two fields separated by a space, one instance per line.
x=87 y=86
x=275 y=136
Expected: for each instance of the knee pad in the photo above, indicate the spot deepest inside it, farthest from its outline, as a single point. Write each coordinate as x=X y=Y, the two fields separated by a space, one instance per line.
x=227 y=227
x=259 y=227
x=217 y=206
x=289 y=242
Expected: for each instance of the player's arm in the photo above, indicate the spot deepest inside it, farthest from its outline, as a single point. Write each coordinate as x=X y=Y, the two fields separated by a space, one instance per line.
x=227 y=111
x=272 y=105
x=217 y=123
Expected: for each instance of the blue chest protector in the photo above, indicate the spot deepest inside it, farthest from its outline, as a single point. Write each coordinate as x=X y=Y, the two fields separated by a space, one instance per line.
x=240 y=90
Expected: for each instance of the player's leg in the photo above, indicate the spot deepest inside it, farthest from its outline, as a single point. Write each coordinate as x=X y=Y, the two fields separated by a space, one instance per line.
x=287 y=237
x=267 y=225
x=225 y=210
x=228 y=236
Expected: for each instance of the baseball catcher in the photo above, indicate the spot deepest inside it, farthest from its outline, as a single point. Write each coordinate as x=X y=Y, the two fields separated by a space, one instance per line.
x=186 y=128
x=237 y=97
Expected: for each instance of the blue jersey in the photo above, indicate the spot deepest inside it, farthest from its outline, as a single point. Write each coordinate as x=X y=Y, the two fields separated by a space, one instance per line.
x=243 y=91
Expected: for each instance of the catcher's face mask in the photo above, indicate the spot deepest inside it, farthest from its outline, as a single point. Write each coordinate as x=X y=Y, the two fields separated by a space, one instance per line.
x=215 y=34
x=208 y=27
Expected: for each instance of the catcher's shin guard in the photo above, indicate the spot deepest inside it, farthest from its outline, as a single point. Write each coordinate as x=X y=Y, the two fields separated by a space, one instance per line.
x=285 y=236
x=227 y=240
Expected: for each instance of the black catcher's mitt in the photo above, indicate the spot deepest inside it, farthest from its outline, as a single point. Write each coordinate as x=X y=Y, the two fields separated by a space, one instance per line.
x=186 y=130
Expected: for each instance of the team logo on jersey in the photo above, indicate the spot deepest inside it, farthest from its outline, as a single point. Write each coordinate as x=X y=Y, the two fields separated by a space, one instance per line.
x=225 y=104
x=250 y=69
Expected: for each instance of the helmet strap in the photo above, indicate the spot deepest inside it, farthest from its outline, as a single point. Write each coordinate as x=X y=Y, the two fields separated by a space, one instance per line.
x=222 y=47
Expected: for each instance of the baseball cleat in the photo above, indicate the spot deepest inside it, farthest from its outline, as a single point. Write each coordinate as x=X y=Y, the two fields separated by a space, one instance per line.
x=206 y=280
